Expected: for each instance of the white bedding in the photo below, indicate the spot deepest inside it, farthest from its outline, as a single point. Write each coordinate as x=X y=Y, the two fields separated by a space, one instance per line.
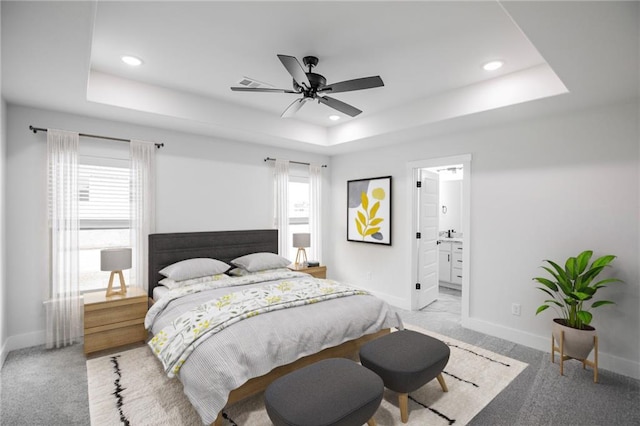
x=254 y=346
x=159 y=291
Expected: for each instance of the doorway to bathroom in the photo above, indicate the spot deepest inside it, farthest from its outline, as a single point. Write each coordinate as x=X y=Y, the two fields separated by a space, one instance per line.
x=440 y=251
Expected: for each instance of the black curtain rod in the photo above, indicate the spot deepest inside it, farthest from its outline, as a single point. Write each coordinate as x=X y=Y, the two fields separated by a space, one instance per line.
x=86 y=135
x=294 y=162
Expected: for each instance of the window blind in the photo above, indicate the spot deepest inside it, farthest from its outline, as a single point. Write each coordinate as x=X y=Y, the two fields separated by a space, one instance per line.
x=103 y=198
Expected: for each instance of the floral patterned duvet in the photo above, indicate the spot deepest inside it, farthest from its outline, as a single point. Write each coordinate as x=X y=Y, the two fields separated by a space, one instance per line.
x=218 y=335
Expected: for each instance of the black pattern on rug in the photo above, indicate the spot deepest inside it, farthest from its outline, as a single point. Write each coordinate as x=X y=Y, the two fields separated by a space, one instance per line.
x=433 y=410
x=226 y=416
x=460 y=379
x=477 y=354
x=118 y=390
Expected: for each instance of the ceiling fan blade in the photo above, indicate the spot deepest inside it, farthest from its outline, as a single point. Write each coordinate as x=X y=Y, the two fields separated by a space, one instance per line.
x=339 y=105
x=295 y=69
x=261 y=89
x=356 y=84
x=294 y=107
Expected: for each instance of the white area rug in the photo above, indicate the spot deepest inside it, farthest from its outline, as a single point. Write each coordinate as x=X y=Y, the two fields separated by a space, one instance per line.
x=130 y=388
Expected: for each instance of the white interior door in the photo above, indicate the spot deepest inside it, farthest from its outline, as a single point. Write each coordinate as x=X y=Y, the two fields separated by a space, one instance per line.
x=428 y=242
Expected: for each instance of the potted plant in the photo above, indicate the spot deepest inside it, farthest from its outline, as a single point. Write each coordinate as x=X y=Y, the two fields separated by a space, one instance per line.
x=570 y=289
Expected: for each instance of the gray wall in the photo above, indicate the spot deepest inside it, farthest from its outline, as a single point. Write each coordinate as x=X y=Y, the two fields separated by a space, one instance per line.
x=543 y=189
x=203 y=184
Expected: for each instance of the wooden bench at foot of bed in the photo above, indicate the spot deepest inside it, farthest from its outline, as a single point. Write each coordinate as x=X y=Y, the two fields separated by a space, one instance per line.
x=259 y=384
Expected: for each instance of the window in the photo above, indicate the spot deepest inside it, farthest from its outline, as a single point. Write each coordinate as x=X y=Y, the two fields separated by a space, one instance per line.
x=298 y=205
x=104 y=211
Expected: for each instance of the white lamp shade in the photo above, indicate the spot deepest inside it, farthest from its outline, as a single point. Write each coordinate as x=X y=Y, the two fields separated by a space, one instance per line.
x=302 y=240
x=116 y=259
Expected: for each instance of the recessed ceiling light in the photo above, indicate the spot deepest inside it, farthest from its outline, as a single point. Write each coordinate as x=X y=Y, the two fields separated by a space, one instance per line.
x=334 y=117
x=493 y=65
x=131 y=60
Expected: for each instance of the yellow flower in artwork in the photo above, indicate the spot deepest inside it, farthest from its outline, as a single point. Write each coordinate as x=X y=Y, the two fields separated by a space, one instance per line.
x=378 y=193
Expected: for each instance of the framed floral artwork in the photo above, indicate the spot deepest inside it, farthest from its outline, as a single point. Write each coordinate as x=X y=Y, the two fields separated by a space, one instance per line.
x=369 y=210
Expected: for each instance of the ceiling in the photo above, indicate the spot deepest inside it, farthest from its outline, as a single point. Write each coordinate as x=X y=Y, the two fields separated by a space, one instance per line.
x=66 y=56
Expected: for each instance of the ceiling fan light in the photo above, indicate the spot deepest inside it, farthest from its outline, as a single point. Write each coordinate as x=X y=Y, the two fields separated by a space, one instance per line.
x=131 y=60
x=493 y=65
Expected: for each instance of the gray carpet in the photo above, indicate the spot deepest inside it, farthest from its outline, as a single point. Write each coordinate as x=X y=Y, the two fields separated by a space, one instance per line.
x=49 y=387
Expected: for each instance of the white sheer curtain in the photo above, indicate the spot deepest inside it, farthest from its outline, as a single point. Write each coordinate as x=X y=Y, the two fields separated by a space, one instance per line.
x=281 y=205
x=143 y=208
x=315 y=215
x=64 y=308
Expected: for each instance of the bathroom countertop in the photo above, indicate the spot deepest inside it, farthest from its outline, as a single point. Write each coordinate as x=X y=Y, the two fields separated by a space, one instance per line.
x=452 y=240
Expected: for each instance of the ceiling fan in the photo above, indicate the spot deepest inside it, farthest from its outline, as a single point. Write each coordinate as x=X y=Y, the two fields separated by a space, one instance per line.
x=314 y=86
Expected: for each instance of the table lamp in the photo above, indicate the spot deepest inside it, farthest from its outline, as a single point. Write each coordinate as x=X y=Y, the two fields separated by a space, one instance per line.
x=301 y=241
x=115 y=260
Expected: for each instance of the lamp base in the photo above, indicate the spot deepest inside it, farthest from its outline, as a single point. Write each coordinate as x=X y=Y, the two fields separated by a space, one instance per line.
x=301 y=256
x=123 y=286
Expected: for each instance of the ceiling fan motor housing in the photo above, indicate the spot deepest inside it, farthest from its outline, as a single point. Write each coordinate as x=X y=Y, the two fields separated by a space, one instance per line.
x=317 y=82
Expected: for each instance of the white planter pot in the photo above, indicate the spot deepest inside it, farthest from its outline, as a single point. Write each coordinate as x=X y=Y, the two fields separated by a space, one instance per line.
x=576 y=343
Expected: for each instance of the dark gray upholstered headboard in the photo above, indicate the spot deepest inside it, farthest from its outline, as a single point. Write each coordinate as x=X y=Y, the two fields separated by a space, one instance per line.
x=165 y=249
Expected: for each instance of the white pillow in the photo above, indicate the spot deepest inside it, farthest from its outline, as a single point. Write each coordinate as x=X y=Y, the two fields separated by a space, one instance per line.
x=240 y=272
x=171 y=284
x=194 y=268
x=260 y=261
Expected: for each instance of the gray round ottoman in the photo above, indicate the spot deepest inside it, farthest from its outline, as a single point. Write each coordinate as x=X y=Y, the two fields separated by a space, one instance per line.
x=334 y=391
x=406 y=360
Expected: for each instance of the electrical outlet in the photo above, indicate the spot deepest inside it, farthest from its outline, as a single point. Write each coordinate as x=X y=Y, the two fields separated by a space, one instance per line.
x=515 y=309
x=417 y=286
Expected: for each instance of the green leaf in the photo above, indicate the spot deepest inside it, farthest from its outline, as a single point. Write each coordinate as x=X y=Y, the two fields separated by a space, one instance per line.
x=553 y=273
x=541 y=308
x=570 y=267
x=548 y=283
x=603 y=261
x=585 y=317
x=602 y=283
x=563 y=279
x=582 y=261
x=602 y=302
x=546 y=291
x=581 y=296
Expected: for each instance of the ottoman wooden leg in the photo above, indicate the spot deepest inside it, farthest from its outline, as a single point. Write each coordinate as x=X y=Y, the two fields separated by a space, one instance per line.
x=443 y=385
x=403 y=401
x=371 y=422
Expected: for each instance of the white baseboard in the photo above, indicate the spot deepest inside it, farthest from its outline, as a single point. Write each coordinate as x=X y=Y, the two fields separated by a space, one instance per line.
x=616 y=364
x=25 y=340
x=392 y=300
x=3 y=353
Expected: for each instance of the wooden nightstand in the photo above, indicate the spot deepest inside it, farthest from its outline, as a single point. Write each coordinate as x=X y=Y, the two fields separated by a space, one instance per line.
x=316 y=271
x=114 y=321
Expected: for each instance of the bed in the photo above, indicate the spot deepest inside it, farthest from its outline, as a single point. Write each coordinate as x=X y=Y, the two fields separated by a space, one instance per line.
x=241 y=360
